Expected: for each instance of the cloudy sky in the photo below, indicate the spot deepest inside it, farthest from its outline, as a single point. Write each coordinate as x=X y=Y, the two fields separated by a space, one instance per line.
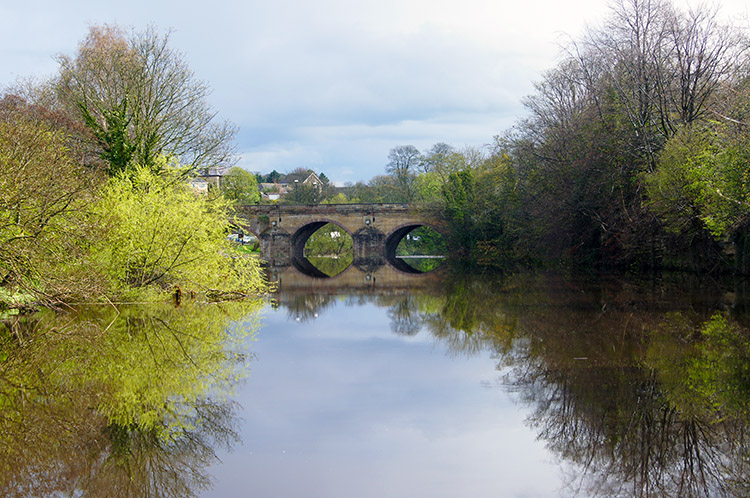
x=333 y=85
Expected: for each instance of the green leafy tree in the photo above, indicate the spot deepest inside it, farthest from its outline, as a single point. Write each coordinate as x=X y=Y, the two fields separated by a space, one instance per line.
x=340 y=198
x=45 y=193
x=113 y=137
x=436 y=158
x=428 y=187
x=678 y=188
x=240 y=185
x=359 y=191
x=382 y=188
x=303 y=193
x=700 y=189
x=162 y=234
x=600 y=125
x=329 y=240
x=272 y=177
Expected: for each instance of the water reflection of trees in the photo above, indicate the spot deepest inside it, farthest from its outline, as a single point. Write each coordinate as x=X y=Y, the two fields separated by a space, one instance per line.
x=639 y=388
x=634 y=399
x=101 y=403
x=307 y=306
x=331 y=266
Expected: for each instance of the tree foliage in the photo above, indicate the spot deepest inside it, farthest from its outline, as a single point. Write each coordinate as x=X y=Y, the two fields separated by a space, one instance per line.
x=162 y=234
x=46 y=188
x=622 y=162
x=403 y=162
x=131 y=107
x=142 y=101
x=634 y=154
x=240 y=185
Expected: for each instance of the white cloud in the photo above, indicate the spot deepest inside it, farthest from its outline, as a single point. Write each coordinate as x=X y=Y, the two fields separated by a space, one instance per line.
x=334 y=83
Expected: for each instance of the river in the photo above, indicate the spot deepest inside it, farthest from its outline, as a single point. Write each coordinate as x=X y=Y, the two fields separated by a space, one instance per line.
x=385 y=385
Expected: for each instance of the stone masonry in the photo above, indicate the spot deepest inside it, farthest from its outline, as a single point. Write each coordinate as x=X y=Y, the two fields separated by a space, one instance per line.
x=376 y=230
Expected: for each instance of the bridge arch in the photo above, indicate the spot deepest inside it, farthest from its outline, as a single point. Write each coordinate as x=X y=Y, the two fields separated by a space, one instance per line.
x=393 y=239
x=297 y=246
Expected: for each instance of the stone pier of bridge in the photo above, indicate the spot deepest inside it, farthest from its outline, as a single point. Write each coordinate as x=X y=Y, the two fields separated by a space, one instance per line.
x=376 y=230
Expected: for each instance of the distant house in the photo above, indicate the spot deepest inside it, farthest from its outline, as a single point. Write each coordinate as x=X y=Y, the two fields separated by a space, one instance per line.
x=313 y=180
x=212 y=176
x=199 y=185
x=278 y=187
x=205 y=179
x=275 y=191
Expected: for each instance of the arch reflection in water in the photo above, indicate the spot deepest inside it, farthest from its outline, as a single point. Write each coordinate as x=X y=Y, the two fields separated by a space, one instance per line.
x=306 y=298
x=322 y=249
x=415 y=248
x=383 y=278
x=128 y=403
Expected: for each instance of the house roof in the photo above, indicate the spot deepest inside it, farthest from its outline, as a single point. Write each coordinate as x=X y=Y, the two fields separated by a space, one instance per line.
x=312 y=178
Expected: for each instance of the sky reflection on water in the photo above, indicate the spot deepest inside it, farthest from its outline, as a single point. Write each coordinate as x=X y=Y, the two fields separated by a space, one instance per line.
x=340 y=406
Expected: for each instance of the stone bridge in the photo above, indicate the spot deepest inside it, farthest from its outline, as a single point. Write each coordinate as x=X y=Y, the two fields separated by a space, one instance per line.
x=376 y=230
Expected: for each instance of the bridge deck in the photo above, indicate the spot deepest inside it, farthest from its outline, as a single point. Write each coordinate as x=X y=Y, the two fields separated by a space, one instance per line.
x=376 y=229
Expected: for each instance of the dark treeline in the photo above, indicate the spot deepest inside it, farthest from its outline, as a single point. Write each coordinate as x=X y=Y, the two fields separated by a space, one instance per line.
x=635 y=155
x=636 y=150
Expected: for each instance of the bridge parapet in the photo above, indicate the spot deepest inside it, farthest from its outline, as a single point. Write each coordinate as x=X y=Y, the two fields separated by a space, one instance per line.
x=376 y=229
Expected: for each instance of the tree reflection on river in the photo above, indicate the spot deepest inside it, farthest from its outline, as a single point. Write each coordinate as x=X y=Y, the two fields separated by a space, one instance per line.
x=637 y=388
x=640 y=389
x=128 y=403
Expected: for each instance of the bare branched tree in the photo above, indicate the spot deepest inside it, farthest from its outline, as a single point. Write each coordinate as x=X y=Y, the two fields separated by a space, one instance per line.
x=403 y=162
x=704 y=56
x=141 y=100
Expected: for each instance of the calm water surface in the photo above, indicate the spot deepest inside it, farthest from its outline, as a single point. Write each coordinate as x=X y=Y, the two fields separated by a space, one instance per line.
x=342 y=405
x=387 y=385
